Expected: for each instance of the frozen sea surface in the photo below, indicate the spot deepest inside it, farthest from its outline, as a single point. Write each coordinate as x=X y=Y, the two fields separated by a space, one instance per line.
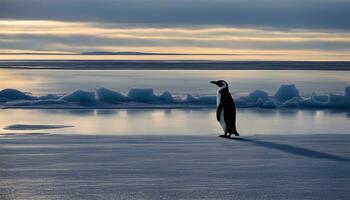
x=45 y=167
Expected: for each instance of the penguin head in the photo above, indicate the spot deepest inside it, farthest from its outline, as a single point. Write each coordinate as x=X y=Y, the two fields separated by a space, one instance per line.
x=220 y=83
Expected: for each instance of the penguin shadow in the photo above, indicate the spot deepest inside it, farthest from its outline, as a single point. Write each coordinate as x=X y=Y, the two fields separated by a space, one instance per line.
x=291 y=149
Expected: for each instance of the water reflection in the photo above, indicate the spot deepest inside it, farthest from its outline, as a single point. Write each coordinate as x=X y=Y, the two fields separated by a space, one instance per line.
x=73 y=112
x=176 y=81
x=180 y=121
x=106 y=112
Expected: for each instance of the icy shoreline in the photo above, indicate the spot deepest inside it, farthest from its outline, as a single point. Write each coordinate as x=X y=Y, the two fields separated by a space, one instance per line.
x=287 y=96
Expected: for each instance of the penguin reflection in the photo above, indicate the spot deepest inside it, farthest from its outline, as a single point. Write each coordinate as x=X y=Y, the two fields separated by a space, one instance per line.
x=226 y=110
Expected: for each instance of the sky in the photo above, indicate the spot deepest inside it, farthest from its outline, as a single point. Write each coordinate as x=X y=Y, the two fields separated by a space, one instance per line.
x=247 y=29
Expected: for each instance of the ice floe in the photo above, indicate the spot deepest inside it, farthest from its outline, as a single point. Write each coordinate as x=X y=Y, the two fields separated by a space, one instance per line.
x=287 y=96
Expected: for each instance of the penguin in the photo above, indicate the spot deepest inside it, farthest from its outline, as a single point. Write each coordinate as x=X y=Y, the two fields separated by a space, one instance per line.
x=226 y=109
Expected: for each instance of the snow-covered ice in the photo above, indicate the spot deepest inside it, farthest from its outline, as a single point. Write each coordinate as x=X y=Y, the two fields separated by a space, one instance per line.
x=174 y=167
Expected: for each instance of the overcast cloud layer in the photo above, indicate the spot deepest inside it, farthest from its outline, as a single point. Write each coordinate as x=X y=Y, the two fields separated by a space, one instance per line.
x=204 y=26
x=323 y=14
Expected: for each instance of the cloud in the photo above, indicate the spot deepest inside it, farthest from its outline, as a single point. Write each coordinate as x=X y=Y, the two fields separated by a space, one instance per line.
x=182 y=26
x=67 y=36
x=47 y=37
x=304 y=14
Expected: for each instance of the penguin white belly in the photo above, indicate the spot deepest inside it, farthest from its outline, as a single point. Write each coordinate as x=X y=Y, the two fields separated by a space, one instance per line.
x=218 y=98
x=222 y=120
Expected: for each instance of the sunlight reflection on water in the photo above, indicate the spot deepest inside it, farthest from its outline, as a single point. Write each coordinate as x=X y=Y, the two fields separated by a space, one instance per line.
x=176 y=81
x=178 y=121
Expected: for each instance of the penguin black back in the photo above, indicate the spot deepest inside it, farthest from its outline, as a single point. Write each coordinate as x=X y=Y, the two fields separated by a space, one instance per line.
x=229 y=111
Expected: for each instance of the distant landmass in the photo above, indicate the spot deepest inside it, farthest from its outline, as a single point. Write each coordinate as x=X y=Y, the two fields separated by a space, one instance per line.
x=124 y=53
x=134 y=53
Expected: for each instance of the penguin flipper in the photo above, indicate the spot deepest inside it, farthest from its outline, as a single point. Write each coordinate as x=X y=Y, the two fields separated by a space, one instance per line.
x=218 y=111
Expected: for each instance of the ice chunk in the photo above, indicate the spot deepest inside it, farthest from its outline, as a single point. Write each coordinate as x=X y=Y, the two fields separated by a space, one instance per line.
x=2 y=99
x=313 y=103
x=242 y=102
x=166 y=97
x=261 y=101
x=319 y=98
x=50 y=97
x=293 y=103
x=347 y=91
x=106 y=95
x=81 y=97
x=211 y=100
x=207 y=100
x=269 y=104
x=338 y=101
x=256 y=98
x=286 y=92
x=148 y=96
x=37 y=103
x=142 y=95
x=190 y=99
x=256 y=95
x=13 y=94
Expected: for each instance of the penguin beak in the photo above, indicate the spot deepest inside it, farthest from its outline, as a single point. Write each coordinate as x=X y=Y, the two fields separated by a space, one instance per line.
x=214 y=82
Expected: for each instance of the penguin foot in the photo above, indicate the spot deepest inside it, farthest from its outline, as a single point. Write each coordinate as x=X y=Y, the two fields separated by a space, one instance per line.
x=236 y=134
